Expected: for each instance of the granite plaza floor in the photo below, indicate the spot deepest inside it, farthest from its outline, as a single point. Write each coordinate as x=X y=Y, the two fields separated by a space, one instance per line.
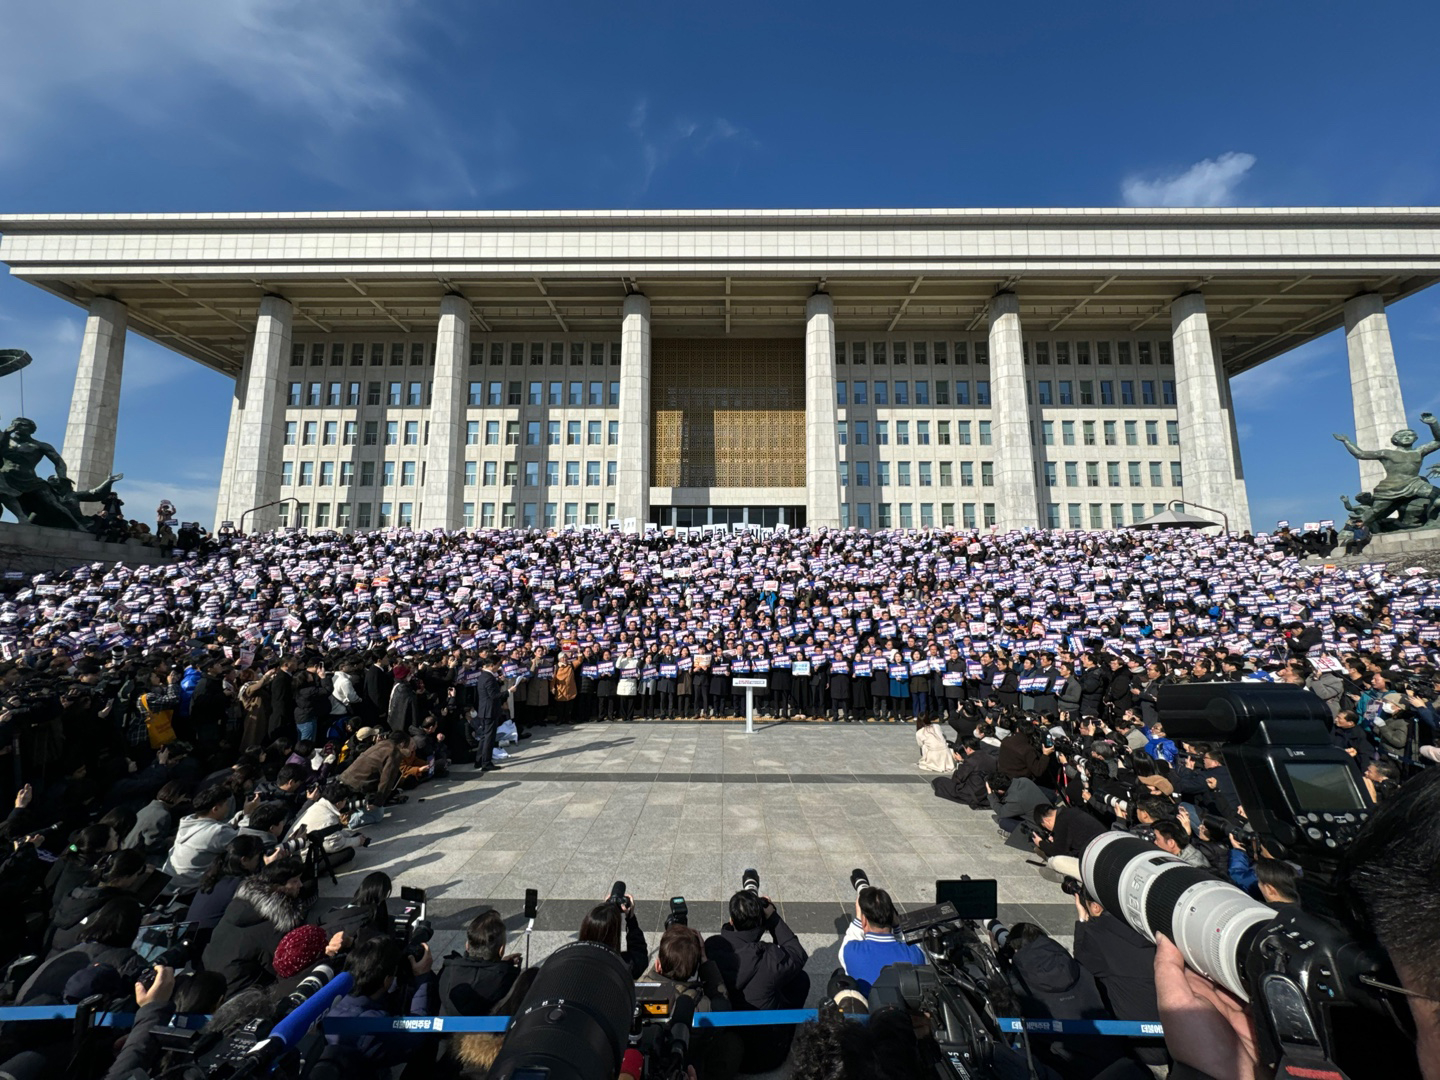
x=682 y=809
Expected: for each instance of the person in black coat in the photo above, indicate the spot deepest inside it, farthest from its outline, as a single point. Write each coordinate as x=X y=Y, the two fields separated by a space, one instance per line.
x=1019 y=756
x=312 y=706
x=266 y=907
x=375 y=690
x=975 y=765
x=760 y=974
x=282 y=697
x=840 y=685
x=1123 y=963
x=1046 y=696
x=472 y=984
x=1092 y=686
x=1117 y=696
x=1068 y=829
x=489 y=701
x=1052 y=984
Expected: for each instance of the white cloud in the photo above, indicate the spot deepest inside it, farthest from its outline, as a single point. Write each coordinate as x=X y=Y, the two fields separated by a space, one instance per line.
x=660 y=143
x=325 y=57
x=317 y=72
x=1211 y=182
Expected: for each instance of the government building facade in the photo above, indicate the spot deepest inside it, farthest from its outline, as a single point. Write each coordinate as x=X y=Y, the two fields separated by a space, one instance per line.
x=1057 y=368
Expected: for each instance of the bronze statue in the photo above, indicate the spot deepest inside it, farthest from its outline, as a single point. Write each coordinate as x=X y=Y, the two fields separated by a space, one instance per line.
x=1403 y=492
x=20 y=452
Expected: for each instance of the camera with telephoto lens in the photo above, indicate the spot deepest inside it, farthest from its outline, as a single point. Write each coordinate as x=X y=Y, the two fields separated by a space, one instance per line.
x=859 y=880
x=409 y=925
x=679 y=912
x=220 y=1055
x=1312 y=989
x=750 y=881
x=617 y=897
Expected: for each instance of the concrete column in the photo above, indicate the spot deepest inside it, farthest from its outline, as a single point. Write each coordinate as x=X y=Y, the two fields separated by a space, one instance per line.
x=89 y=448
x=1017 y=503
x=1237 y=469
x=632 y=482
x=1374 y=382
x=1205 y=447
x=822 y=451
x=232 y=450
x=255 y=457
x=440 y=507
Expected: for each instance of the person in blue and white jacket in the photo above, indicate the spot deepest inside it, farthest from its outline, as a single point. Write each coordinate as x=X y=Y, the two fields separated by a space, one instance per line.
x=870 y=944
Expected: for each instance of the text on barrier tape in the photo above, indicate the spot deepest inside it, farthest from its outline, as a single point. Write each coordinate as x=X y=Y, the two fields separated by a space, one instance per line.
x=463 y=1025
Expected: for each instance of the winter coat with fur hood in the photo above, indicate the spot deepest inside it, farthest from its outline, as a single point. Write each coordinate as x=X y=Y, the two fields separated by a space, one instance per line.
x=243 y=945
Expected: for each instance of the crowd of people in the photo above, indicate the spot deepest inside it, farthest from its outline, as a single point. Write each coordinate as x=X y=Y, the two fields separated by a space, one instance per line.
x=193 y=745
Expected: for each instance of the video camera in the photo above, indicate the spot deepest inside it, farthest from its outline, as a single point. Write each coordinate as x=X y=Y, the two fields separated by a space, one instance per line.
x=254 y=1048
x=1310 y=985
x=957 y=989
x=409 y=924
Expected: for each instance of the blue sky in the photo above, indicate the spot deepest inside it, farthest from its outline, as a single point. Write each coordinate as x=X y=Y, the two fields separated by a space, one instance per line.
x=158 y=105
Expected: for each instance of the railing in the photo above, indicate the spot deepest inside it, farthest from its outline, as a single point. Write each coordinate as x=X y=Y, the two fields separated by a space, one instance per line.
x=463 y=1025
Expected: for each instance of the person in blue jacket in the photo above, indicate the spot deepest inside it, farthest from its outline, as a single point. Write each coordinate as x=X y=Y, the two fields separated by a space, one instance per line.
x=1158 y=746
x=870 y=943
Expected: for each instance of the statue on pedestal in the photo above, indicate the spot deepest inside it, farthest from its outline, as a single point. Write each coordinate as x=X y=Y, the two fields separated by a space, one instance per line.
x=1413 y=500
x=52 y=502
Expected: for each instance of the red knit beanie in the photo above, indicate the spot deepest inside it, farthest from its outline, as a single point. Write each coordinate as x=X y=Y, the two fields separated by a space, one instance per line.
x=299 y=949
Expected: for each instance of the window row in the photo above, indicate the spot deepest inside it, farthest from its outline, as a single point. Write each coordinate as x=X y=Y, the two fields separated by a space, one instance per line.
x=399 y=353
x=413 y=433
x=358 y=353
x=1040 y=392
x=858 y=515
x=384 y=515
x=572 y=393
x=924 y=474
x=557 y=393
x=1096 y=518
x=1109 y=432
x=412 y=473
x=1137 y=473
x=1038 y=351
x=546 y=433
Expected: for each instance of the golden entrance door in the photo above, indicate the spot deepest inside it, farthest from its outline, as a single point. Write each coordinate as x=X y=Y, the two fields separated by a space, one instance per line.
x=728 y=413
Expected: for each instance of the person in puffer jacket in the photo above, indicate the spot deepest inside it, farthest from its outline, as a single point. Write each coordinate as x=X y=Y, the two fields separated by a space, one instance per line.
x=203 y=835
x=1052 y=984
x=266 y=907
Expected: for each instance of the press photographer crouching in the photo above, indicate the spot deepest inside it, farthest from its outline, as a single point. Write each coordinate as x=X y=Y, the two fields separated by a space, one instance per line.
x=760 y=974
x=870 y=944
x=683 y=971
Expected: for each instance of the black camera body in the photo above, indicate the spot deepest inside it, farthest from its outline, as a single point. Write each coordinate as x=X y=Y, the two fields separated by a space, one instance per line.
x=1304 y=799
x=960 y=1044
x=410 y=925
x=1302 y=795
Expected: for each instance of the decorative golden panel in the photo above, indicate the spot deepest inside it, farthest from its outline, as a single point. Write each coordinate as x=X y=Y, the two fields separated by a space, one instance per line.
x=728 y=413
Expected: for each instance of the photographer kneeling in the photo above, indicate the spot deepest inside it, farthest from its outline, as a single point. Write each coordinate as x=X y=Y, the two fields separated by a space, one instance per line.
x=683 y=970
x=760 y=974
x=870 y=943
x=389 y=981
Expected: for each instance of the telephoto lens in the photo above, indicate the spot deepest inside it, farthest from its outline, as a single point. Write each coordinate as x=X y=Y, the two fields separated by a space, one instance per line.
x=750 y=880
x=1210 y=921
x=999 y=931
x=617 y=894
x=859 y=879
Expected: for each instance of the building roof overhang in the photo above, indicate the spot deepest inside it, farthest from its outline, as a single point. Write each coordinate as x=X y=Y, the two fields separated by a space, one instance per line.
x=1273 y=278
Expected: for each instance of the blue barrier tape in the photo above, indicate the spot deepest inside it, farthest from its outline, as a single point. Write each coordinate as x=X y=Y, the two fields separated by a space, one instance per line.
x=22 y=1013
x=1128 y=1029
x=443 y=1025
